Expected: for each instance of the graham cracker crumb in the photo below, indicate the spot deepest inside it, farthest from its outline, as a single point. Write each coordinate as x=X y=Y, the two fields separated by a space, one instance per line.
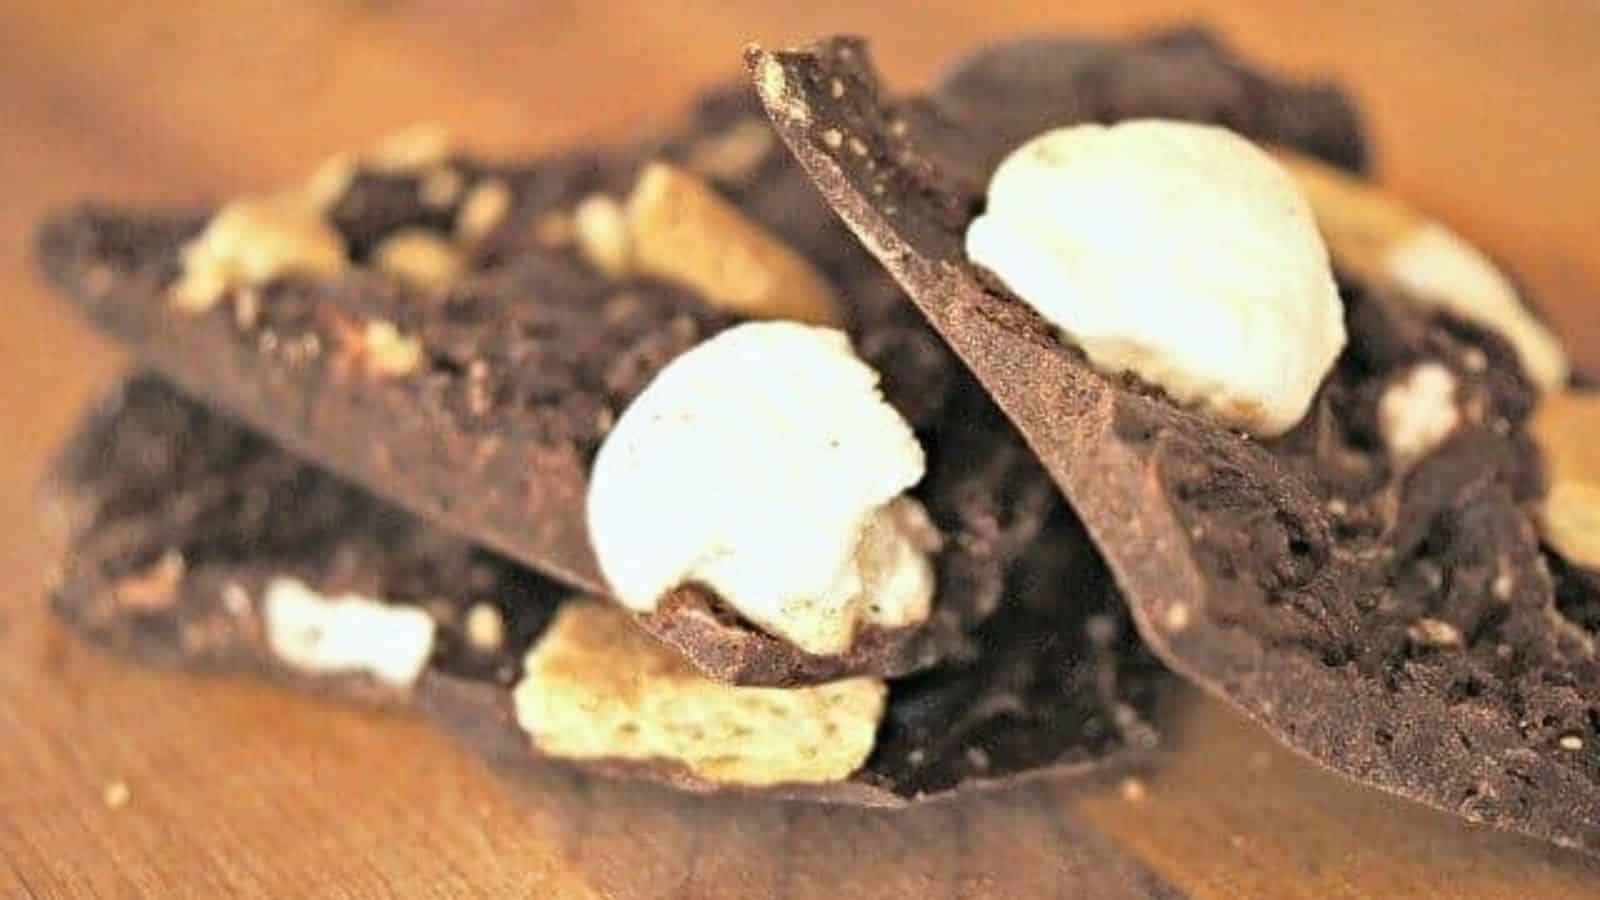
x=417 y=147
x=329 y=182
x=419 y=257
x=602 y=232
x=155 y=586
x=116 y=794
x=486 y=206
x=250 y=242
x=1434 y=633
x=735 y=153
x=440 y=187
x=1133 y=790
x=1502 y=585
x=1176 y=617
x=387 y=351
x=485 y=627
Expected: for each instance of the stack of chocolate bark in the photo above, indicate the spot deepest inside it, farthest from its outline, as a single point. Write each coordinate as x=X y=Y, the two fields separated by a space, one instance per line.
x=521 y=446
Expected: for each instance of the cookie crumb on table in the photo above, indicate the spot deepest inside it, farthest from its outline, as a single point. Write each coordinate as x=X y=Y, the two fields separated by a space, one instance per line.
x=116 y=794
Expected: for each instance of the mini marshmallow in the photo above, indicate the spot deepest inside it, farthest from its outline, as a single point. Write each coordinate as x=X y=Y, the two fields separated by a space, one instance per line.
x=1179 y=252
x=347 y=633
x=765 y=465
x=1418 y=412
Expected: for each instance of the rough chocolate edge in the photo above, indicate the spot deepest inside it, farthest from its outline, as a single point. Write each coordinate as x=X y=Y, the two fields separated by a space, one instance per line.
x=1102 y=443
x=707 y=633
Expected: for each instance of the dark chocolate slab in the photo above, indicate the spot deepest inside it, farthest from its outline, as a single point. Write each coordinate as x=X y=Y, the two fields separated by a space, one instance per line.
x=178 y=517
x=1400 y=627
x=530 y=354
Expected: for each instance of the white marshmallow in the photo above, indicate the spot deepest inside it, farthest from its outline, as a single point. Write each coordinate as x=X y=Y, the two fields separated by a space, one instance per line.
x=347 y=633
x=1179 y=252
x=765 y=465
x=1418 y=411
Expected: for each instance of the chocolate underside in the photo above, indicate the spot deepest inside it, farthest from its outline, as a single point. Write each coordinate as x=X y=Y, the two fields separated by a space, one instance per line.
x=179 y=517
x=1302 y=579
x=531 y=353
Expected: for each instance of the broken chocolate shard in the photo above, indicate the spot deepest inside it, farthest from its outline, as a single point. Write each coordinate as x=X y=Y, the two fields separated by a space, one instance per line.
x=1396 y=623
x=183 y=525
x=479 y=405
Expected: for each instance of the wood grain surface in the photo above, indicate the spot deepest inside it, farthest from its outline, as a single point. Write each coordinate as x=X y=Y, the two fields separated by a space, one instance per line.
x=122 y=782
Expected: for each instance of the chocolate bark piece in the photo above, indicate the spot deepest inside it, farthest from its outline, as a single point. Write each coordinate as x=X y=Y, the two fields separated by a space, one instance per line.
x=480 y=405
x=1398 y=625
x=180 y=518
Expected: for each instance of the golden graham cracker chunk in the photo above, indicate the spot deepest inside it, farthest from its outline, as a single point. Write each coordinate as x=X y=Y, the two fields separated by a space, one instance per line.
x=483 y=210
x=419 y=257
x=1376 y=237
x=596 y=687
x=411 y=149
x=602 y=233
x=253 y=241
x=1567 y=429
x=682 y=230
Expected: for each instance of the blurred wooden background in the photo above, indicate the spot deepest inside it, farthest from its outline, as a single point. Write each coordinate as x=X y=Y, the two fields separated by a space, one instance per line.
x=1487 y=113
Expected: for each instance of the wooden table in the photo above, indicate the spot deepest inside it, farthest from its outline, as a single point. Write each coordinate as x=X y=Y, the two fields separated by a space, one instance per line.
x=116 y=781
